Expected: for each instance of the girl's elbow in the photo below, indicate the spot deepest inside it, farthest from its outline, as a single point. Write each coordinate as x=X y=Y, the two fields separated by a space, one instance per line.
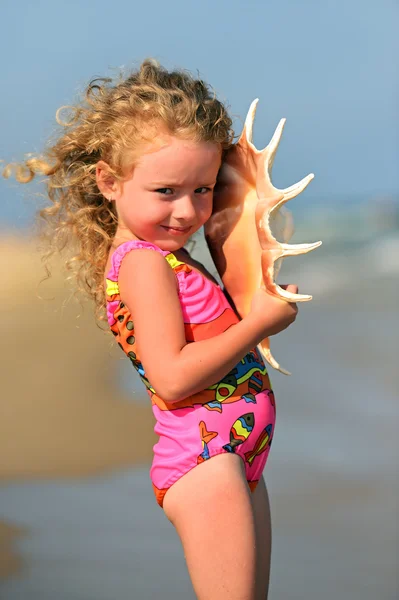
x=171 y=390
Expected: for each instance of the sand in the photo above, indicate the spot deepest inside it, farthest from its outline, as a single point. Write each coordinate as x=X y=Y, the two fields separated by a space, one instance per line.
x=61 y=412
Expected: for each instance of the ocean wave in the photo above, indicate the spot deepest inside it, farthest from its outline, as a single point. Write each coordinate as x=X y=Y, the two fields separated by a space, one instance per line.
x=336 y=267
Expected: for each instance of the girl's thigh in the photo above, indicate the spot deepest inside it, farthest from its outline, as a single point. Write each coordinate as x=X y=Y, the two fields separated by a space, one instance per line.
x=212 y=510
x=260 y=501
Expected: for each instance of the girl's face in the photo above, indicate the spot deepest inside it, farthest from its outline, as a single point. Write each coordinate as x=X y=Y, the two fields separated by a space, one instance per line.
x=169 y=195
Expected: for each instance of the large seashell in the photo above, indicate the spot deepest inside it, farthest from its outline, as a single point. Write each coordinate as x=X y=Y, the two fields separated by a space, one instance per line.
x=247 y=209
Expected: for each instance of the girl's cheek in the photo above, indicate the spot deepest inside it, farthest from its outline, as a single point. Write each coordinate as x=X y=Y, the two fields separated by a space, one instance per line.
x=208 y=210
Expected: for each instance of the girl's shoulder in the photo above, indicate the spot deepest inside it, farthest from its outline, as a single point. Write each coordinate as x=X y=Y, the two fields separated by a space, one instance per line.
x=192 y=280
x=137 y=271
x=129 y=268
x=118 y=253
x=161 y=275
x=180 y=261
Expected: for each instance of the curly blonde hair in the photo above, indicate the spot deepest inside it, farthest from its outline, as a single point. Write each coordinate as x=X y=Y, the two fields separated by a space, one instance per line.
x=109 y=124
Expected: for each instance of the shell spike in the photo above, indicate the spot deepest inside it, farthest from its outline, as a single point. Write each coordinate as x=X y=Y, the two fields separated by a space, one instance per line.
x=274 y=142
x=264 y=349
x=296 y=249
x=298 y=298
x=297 y=188
x=272 y=146
x=293 y=191
x=249 y=121
x=290 y=297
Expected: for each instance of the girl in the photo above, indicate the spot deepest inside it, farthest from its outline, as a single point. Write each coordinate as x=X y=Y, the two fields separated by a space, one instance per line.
x=131 y=180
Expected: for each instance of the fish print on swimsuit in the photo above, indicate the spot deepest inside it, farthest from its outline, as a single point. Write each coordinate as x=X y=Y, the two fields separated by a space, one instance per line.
x=206 y=437
x=240 y=431
x=262 y=443
x=249 y=370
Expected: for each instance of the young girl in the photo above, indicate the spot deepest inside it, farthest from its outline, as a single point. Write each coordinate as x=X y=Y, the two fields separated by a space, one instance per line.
x=131 y=179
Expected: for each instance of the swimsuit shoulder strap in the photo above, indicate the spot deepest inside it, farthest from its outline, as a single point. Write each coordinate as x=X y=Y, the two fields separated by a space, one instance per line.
x=122 y=250
x=125 y=248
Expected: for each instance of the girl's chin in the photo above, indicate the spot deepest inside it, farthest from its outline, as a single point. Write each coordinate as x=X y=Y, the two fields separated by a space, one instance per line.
x=171 y=244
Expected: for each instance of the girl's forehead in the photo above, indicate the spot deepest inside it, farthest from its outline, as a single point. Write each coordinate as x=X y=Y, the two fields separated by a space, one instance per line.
x=170 y=155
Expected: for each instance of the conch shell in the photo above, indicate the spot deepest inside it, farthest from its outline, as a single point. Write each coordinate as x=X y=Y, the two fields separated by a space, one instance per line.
x=247 y=207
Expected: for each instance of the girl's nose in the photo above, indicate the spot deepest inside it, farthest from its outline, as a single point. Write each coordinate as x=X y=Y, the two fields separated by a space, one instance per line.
x=184 y=208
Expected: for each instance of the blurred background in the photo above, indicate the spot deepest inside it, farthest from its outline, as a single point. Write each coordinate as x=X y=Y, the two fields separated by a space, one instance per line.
x=78 y=520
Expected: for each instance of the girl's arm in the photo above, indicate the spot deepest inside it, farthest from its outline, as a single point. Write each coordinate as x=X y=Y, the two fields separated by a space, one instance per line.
x=176 y=369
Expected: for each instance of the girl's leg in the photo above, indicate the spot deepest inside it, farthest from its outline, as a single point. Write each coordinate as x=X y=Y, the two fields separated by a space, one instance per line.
x=260 y=501
x=212 y=510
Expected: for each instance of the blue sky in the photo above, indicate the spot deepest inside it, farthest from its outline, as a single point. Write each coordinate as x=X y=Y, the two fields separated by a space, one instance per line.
x=328 y=66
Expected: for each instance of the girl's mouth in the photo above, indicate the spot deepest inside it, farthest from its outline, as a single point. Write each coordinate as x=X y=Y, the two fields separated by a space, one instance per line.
x=177 y=230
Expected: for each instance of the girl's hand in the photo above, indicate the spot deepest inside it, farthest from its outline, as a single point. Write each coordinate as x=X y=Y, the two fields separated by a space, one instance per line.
x=273 y=314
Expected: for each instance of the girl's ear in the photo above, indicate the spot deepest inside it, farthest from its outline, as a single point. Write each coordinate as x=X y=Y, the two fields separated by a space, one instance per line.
x=106 y=182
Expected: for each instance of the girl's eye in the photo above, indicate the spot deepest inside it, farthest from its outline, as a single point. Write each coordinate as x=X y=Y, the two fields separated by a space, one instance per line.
x=165 y=191
x=203 y=190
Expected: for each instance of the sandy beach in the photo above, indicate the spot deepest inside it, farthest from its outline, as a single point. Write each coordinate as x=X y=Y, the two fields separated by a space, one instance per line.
x=61 y=413
x=77 y=517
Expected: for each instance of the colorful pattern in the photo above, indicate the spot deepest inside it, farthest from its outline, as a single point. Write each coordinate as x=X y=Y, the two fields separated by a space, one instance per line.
x=206 y=437
x=262 y=443
x=240 y=431
x=237 y=414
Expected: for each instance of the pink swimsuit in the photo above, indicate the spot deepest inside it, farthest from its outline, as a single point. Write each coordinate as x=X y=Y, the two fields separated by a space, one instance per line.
x=236 y=414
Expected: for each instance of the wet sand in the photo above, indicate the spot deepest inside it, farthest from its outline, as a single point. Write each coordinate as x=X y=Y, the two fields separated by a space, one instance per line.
x=75 y=447
x=10 y=562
